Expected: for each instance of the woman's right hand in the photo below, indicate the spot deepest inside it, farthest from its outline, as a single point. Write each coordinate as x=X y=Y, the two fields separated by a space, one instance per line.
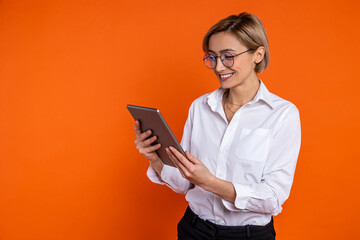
x=143 y=144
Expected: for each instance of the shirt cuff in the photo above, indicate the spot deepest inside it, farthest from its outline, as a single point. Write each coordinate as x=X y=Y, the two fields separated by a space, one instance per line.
x=153 y=176
x=166 y=173
x=243 y=194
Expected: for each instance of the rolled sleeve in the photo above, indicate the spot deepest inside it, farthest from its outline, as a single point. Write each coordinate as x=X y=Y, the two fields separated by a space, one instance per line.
x=166 y=173
x=243 y=194
x=153 y=176
x=171 y=177
x=270 y=193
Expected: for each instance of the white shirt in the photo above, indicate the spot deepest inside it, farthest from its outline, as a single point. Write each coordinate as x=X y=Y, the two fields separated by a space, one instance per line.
x=257 y=151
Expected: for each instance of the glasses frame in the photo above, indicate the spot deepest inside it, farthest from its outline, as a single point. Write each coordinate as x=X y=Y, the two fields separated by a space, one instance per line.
x=223 y=58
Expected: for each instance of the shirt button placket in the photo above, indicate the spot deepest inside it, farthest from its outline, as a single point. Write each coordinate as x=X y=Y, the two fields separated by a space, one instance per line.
x=221 y=170
x=220 y=173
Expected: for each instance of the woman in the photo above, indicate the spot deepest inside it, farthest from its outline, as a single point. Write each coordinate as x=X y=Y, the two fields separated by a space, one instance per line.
x=241 y=142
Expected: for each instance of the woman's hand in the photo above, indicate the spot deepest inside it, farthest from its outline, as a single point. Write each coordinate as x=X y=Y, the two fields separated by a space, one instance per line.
x=143 y=144
x=191 y=168
x=198 y=174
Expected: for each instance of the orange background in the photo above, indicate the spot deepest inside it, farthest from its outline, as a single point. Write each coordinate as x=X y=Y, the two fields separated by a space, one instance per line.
x=68 y=165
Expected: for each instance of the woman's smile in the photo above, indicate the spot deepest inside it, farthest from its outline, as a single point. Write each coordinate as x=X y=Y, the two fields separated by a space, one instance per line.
x=224 y=77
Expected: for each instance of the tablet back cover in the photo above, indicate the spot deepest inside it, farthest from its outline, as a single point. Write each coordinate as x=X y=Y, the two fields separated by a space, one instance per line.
x=151 y=118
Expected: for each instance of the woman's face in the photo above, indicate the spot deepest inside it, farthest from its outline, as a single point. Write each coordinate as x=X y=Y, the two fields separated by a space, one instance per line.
x=242 y=72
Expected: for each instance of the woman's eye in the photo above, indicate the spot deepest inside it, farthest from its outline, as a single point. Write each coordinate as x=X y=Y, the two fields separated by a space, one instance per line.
x=228 y=56
x=211 y=57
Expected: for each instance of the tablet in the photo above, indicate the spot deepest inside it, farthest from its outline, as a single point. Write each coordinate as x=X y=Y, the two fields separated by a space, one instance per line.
x=151 y=118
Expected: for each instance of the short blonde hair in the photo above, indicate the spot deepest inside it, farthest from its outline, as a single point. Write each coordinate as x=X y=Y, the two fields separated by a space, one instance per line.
x=248 y=29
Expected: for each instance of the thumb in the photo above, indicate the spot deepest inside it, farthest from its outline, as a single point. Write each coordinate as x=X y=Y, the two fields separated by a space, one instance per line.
x=191 y=157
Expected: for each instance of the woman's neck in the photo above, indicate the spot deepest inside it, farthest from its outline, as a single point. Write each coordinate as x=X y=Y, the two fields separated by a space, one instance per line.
x=244 y=93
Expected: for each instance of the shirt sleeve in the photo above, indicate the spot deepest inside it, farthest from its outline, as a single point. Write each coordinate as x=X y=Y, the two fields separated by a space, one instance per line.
x=171 y=176
x=274 y=188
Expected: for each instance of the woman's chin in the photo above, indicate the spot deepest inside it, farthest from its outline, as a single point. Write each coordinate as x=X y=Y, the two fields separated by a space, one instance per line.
x=225 y=84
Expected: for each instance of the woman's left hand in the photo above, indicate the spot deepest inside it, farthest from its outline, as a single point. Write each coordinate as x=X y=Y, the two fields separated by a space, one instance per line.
x=191 y=168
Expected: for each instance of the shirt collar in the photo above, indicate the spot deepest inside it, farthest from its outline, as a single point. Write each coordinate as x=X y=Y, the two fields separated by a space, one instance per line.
x=264 y=95
x=214 y=99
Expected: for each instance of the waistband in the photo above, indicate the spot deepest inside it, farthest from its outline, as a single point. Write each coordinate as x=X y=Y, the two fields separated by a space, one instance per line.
x=246 y=231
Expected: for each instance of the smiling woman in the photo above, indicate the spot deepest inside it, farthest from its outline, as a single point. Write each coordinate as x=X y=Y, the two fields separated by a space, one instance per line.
x=242 y=142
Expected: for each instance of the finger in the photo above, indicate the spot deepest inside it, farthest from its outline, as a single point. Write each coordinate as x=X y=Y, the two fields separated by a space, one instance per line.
x=140 y=141
x=144 y=135
x=188 y=164
x=180 y=170
x=149 y=141
x=154 y=148
x=191 y=157
x=137 y=128
x=171 y=156
x=176 y=161
x=151 y=149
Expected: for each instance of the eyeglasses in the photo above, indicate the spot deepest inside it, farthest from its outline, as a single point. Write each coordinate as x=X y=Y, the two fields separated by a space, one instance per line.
x=226 y=58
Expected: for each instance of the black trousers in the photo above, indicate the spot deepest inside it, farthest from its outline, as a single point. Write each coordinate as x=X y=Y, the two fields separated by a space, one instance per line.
x=192 y=227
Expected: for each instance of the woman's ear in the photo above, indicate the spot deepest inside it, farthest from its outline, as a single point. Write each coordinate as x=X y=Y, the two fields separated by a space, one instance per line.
x=259 y=54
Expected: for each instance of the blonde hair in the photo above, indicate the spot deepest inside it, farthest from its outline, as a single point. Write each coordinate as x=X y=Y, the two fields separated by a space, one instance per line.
x=248 y=29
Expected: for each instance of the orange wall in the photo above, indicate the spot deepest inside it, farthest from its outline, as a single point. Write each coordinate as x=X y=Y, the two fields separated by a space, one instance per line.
x=68 y=165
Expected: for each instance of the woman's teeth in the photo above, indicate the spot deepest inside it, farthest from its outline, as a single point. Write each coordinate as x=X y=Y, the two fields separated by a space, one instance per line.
x=225 y=76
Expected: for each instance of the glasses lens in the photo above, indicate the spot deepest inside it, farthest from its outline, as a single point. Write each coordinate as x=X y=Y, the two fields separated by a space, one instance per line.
x=210 y=61
x=227 y=59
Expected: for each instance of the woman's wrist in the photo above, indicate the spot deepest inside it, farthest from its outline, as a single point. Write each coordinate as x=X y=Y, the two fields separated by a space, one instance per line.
x=157 y=165
x=222 y=188
x=210 y=184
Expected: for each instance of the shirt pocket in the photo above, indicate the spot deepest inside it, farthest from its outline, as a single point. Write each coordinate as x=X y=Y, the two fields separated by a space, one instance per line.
x=253 y=144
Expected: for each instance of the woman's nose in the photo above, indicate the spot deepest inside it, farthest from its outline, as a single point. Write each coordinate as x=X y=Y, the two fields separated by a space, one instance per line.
x=219 y=65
